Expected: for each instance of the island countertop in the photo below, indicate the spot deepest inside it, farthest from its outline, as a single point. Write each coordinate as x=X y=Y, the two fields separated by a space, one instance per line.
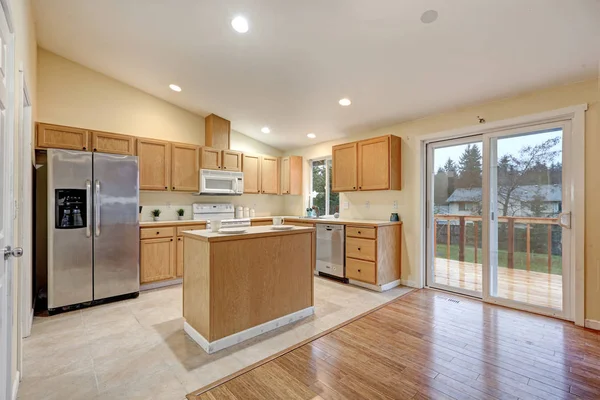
x=251 y=232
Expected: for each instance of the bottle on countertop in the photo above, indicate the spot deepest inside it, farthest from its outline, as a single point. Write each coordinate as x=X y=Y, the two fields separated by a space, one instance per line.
x=246 y=212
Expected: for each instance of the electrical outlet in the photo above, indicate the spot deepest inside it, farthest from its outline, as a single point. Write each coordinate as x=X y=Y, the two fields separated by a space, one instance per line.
x=346 y=205
x=168 y=205
x=368 y=204
x=395 y=205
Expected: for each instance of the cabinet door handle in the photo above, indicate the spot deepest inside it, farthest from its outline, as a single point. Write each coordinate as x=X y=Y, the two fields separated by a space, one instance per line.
x=359 y=249
x=166 y=188
x=171 y=240
x=173 y=187
x=84 y=147
x=359 y=232
x=360 y=187
x=224 y=167
x=353 y=187
x=158 y=233
x=359 y=270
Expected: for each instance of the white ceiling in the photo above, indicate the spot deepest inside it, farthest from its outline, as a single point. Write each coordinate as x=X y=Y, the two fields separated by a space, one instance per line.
x=300 y=57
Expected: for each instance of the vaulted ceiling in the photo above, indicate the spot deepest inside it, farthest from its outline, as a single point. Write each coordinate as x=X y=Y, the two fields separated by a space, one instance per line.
x=300 y=57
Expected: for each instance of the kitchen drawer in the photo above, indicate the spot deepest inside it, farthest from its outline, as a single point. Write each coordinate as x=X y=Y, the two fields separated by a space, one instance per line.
x=180 y=229
x=304 y=224
x=361 y=231
x=363 y=249
x=361 y=270
x=152 y=233
x=261 y=223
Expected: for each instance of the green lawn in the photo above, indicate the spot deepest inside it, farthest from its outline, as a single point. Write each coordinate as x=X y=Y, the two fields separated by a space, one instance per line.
x=539 y=262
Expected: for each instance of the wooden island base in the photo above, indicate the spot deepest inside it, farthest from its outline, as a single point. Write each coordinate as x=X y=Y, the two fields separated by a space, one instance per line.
x=236 y=287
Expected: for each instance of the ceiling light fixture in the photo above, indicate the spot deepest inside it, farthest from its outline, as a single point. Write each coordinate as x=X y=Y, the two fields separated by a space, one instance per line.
x=429 y=16
x=265 y=129
x=311 y=135
x=345 y=102
x=240 y=24
x=175 y=88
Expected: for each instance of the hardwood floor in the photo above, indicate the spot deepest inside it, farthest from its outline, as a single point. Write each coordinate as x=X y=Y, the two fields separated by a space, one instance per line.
x=432 y=345
x=530 y=287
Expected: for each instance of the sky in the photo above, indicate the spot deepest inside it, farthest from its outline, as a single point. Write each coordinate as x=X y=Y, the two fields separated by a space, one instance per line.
x=508 y=145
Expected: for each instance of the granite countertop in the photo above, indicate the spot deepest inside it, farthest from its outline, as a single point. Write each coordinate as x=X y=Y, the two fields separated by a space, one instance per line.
x=171 y=223
x=343 y=221
x=250 y=231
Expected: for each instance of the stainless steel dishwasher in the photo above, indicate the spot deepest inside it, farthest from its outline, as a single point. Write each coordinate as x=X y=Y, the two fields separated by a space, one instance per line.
x=331 y=250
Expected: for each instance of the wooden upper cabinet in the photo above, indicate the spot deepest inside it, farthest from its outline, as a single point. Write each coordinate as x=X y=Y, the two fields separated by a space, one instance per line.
x=374 y=164
x=217 y=132
x=371 y=164
x=210 y=158
x=184 y=167
x=344 y=165
x=155 y=164
x=269 y=175
x=62 y=137
x=291 y=175
x=104 y=142
x=231 y=160
x=251 y=169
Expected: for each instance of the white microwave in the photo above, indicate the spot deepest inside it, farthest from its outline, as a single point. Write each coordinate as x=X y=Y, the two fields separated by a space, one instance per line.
x=221 y=183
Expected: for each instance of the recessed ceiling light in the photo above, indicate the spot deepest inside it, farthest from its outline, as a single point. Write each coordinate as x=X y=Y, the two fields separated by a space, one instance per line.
x=311 y=135
x=429 y=16
x=175 y=88
x=345 y=102
x=265 y=129
x=240 y=24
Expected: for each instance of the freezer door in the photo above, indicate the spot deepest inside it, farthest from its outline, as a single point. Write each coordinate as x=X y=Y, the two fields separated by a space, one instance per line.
x=116 y=225
x=69 y=228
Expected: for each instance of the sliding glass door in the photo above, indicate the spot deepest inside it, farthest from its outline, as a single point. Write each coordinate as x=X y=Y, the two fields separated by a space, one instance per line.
x=529 y=218
x=454 y=225
x=498 y=217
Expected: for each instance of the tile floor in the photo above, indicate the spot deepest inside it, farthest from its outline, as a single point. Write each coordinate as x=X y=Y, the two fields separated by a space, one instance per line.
x=137 y=349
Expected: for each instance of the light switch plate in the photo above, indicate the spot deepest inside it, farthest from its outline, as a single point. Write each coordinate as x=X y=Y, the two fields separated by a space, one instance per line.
x=368 y=204
x=346 y=205
x=168 y=205
x=395 y=206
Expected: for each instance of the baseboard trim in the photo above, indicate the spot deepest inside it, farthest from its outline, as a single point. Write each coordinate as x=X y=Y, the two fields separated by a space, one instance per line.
x=156 y=285
x=409 y=283
x=592 y=324
x=376 y=288
x=15 y=386
x=213 y=347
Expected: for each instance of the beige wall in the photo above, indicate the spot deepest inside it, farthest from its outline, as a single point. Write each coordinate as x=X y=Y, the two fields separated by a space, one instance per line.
x=409 y=200
x=25 y=59
x=71 y=94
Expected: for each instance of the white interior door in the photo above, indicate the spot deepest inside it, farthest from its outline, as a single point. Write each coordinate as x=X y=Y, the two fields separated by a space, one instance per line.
x=6 y=204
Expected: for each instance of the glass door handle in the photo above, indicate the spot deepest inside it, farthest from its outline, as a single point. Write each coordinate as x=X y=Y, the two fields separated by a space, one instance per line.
x=562 y=216
x=88 y=211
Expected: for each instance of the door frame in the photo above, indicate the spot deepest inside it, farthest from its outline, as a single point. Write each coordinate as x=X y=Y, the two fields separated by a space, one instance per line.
x=430 y=146
x=576 y=114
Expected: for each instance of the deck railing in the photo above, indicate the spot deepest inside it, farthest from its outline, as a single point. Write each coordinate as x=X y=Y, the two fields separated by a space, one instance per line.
x=511 y=221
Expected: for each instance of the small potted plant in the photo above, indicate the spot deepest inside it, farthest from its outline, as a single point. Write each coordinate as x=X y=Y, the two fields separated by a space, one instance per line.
x=180 y=213
x=155 y=214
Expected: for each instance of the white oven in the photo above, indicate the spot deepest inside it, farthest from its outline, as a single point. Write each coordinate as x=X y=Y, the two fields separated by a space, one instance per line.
x=221 y=182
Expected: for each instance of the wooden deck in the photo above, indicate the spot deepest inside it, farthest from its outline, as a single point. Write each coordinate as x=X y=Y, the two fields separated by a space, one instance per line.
x=431 y=345
x=535 y=288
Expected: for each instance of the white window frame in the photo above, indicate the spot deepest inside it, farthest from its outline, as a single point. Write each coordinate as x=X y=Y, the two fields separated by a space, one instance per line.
x=327 y=188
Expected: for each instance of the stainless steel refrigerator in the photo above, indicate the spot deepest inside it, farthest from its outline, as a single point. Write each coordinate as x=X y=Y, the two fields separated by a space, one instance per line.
x=92 y=226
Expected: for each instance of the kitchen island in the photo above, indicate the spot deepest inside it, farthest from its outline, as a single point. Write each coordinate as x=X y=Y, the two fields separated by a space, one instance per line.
x=238 y=286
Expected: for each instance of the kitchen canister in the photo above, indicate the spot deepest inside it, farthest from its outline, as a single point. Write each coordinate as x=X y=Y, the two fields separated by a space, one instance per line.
x=394 y=217
x=246 y=212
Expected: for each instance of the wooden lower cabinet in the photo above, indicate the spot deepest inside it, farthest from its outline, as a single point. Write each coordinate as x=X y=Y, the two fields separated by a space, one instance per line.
x=161 y=252
x=179 y=269
x=373 y=253
x=157 y=259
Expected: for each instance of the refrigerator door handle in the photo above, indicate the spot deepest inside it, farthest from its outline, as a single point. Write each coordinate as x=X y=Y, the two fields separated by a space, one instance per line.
x=97 y=209
x=88 y=211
